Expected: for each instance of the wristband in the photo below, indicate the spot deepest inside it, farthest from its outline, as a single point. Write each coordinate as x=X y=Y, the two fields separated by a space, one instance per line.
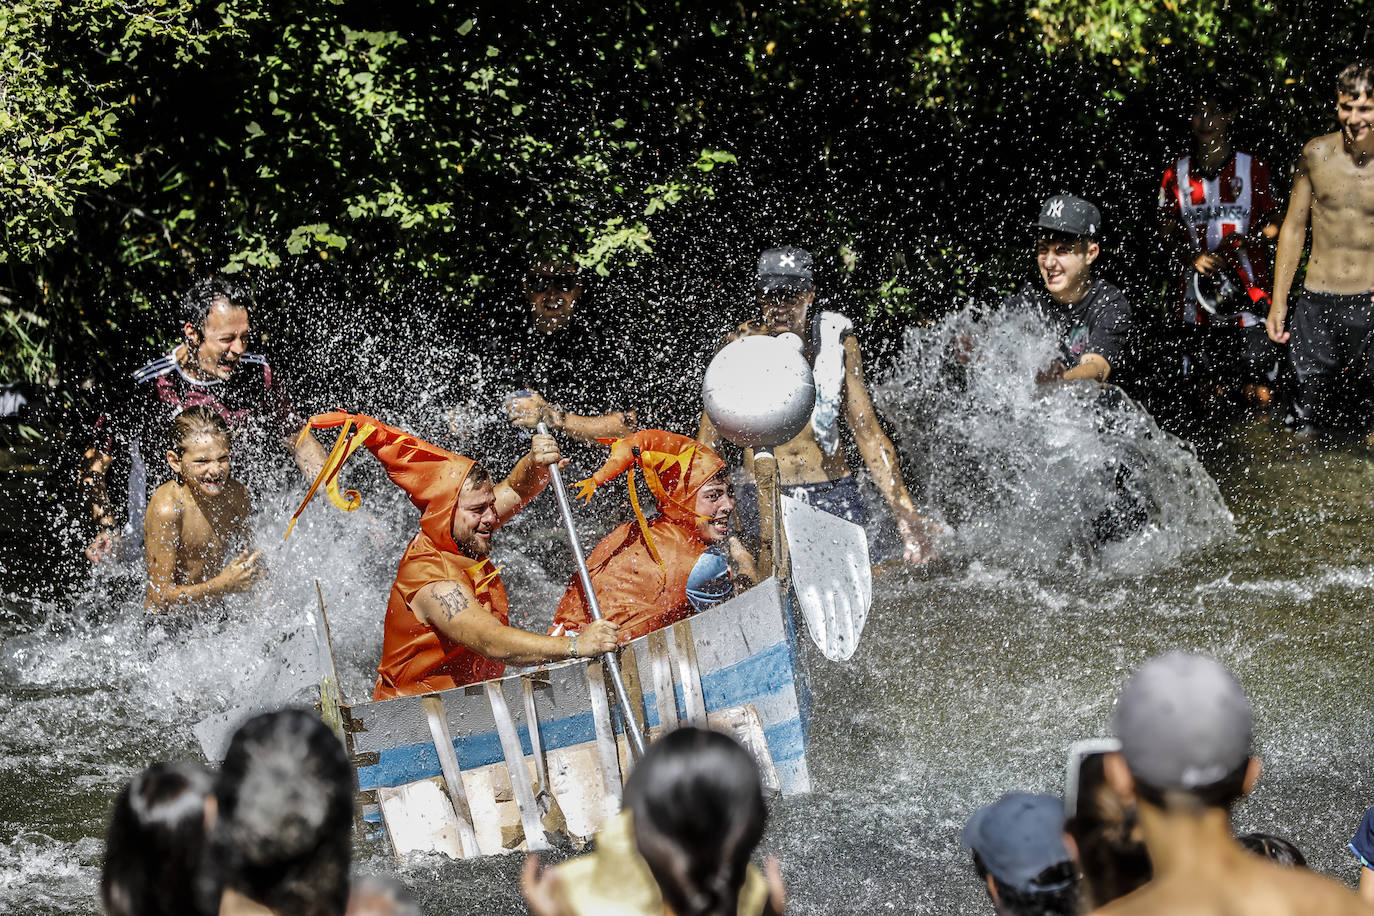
x=572 y=645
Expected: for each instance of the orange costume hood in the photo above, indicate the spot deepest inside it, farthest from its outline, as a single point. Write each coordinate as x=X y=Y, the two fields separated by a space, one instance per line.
x=416 y=657
x=641 y=576
x=674 y=468
x=430 y=475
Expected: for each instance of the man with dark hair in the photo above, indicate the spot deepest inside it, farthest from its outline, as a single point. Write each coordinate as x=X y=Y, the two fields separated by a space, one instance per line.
x=1092 y=317
x=812 y=467
x=1185 y=728
x=283 y=811
x=447 y=620
x=1332 y=324
x=211 y=367
x=1018 y=849
x=1216 y=215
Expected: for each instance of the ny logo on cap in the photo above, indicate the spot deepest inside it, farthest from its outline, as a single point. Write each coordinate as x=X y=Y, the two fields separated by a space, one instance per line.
x=1056 y=208
x=787 y=260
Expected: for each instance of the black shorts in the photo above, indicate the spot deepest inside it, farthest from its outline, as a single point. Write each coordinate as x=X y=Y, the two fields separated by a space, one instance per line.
x=1331 y=336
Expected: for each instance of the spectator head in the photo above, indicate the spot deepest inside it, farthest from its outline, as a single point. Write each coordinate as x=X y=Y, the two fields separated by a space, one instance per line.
x=1218 y=105
x=785 y=288
x=1018 y=849
x=1185 y=727
x=1274 y=848
x=153 y=846
x=552 y=290
x=217 y=325
x=284 y=800
x=1066 y=245
x=697 y=808
x=1356 y=80
x=1106 y=840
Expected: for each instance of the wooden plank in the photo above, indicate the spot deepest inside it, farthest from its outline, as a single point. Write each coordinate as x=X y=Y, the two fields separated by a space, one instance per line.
x=662 y=672
x=605 y=736
x=535 y=838
x=683 y=651
x=453 y=774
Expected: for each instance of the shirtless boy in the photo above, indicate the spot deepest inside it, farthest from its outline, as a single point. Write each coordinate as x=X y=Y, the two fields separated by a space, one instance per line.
x=1332 y=325
x=197 y=520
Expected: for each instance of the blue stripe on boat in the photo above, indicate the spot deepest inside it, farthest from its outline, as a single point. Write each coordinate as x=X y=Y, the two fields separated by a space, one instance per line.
x=756 y=676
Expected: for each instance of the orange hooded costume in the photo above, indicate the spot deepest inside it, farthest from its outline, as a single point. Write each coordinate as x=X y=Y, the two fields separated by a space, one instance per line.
x=416 y=657
x=640 y=570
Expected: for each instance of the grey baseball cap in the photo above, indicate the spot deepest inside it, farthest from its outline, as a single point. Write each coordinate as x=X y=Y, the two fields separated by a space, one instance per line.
x=1018 y=837
x=785 y=268
x=1184 y=722
x=1069 y=214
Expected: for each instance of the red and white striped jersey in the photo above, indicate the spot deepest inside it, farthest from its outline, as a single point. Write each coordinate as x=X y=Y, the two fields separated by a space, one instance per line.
x=1236 y=199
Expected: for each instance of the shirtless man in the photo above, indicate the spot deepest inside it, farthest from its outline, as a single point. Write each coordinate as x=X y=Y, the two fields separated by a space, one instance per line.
x=812 y=466
x=1185 y=727
x=197 y=520
x=1332 y=326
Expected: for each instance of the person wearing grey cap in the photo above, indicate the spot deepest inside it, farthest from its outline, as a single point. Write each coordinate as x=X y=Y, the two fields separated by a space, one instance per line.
x=1186 y=730
x=812 y=467
x=1091 y=316
x=1018 y=849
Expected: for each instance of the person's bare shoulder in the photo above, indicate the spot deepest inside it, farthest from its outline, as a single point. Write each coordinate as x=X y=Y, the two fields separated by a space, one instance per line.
x=1319 y=149
x=165 y=503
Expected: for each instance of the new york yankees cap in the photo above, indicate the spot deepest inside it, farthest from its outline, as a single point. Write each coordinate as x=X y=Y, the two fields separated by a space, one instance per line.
x=785 y=268
x=1072 y=215
x=1184 y=722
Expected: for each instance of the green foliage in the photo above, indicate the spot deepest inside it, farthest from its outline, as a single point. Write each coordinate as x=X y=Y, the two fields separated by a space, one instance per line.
x=144 y=142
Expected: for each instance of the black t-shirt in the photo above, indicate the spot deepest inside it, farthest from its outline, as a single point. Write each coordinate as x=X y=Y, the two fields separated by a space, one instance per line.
x=135 y=428
x=1098 y=323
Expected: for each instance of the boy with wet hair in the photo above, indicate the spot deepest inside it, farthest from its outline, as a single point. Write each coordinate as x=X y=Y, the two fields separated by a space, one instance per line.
x=1186 y=731
x=1216 y=215
x=198 y=519
x=1092 y=316
x=1019 y=852
x=1331 y=327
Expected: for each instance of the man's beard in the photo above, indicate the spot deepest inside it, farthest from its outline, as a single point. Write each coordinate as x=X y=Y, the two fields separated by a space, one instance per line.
x=473 y=547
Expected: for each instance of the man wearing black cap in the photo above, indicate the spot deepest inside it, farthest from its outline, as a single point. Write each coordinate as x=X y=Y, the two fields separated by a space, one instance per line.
x=1092 y=316
x=1186 y=728
x=812 y=467
x=1018 y=848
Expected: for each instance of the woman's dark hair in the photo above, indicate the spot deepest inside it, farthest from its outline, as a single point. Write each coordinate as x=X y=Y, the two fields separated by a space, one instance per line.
x=1111 y=848
x=195 y=421
x=203 y=295
x=1062 y=901
x=285 y=799
x=153 y=846
x=1273 y=847
x=698 y=811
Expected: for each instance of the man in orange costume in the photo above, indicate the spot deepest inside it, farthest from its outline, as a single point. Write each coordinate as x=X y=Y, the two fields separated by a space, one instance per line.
x=446 y=618
x=649 y=574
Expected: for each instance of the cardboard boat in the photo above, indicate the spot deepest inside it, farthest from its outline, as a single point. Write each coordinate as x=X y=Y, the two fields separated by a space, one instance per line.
x=502 y=765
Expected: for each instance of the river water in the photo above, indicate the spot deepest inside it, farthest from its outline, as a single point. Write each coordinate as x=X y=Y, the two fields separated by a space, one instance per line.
x=972 y=679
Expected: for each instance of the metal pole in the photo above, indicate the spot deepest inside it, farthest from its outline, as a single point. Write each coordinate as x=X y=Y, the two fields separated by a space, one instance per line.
x=632 y=730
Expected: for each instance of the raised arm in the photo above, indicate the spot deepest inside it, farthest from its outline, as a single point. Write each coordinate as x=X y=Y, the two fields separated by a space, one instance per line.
x=528 y=478
x=96 y=465
x=452 y=609
x=880 y=457
x=307 y=452
x=1292 y=239
x=528 y=411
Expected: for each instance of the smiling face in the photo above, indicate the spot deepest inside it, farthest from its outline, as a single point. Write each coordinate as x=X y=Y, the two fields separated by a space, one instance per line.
x=1066 y=266
x=474 y=519
x=1356 y=115
x=714 y=503
x=203 y=464
x=217 y=350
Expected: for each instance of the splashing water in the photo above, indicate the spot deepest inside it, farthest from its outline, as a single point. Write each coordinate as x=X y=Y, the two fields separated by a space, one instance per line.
x=1068 y=475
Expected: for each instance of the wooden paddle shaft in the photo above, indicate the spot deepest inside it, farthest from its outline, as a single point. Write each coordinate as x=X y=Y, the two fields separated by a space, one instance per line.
x=632 y=731
x=772 y=549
